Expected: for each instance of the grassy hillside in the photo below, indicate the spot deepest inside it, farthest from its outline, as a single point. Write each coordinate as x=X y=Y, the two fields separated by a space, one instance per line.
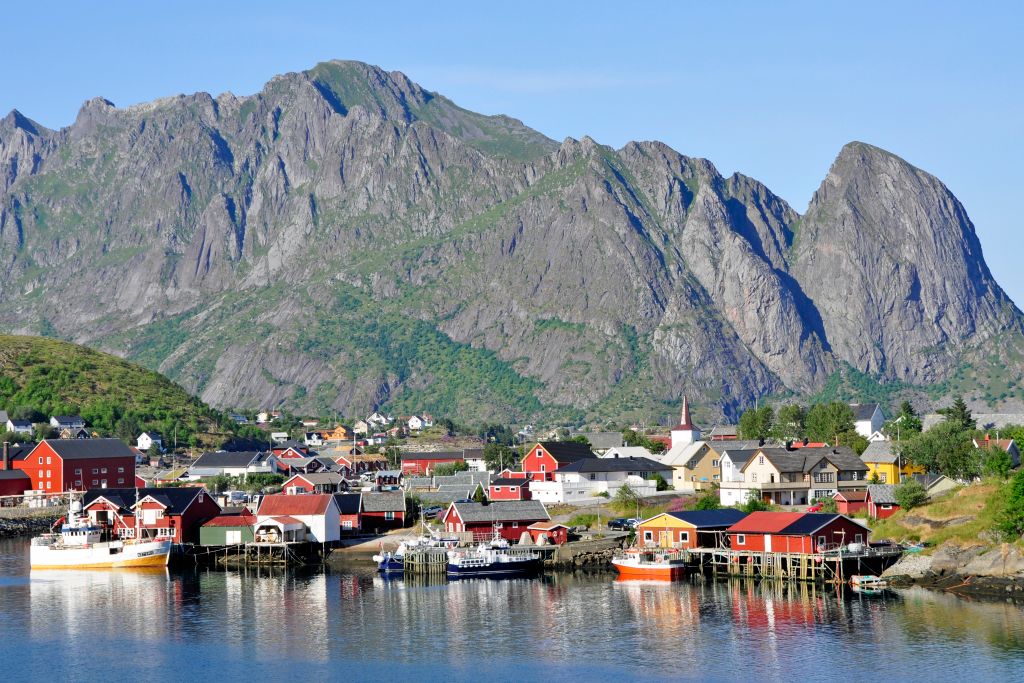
x=116 y=397
x=963 y=517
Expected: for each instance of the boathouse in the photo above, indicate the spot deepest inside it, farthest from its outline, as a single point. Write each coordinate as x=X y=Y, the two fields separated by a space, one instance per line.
x=318 y=513
x=851 y=502
x=172 y=513
x=350 y=512
x=795 y=532
x=554 y=533
x=509 y=488
x=228 y=529
x=689 y=529
x=383 y=510
x=508 y=518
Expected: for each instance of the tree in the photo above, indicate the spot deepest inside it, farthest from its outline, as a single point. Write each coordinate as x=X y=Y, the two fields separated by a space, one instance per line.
x=756 y=423
x=219 y=483
x=498 y=456
x=256 y=482
x=960 y=415
x=447 y=469
x=579 y=438
x=830 y=422
x=910 y=493
x=874 y=478
x=45 y=431
x=827 y=504
x=754 y=503
x=1011 y=519
x=996 y=462
x=632 y=438
x=478 y=495
x=626 y=500
x=944 y=449
x=905 y=424
x=707 y=500
x=790 y=422
x=661 y=484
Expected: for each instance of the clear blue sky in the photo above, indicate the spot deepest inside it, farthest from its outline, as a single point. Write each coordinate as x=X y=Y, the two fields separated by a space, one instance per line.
x=769 y=89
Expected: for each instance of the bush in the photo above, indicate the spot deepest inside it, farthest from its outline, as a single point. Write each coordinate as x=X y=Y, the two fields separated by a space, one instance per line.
x=1011 y=519
x=660 y=482
x=911 y=494
x=603 y=494
x=827 y=504
x=586 y=520
x=754 y=503
x=707 y=500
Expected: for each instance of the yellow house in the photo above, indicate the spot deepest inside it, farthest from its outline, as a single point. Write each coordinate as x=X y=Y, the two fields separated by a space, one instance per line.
x=695 y=466
x=339 y=433
x=883 y=460
x=689 y=529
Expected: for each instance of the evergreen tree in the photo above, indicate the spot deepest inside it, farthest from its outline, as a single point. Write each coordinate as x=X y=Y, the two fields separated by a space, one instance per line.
x=756 y=423
x=960 y=415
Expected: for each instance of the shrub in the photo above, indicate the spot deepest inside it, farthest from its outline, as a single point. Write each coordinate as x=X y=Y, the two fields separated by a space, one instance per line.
x=586 y=520
x=754 y=503
x=827 y=504
x=707 y=500
x=911 y=494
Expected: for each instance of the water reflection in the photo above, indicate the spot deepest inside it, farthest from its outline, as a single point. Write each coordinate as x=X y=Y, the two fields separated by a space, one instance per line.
x=177 y=624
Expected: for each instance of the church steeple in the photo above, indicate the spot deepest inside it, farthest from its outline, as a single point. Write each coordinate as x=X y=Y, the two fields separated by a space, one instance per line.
x=684 y=420
x=684 y=433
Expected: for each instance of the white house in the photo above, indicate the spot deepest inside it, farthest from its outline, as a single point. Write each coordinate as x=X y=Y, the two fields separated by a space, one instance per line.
x=147 y=440
x=19 y=426
x=262 y=417
x=378 y=419
x=867 y=418
x=73 y=423
x=628 y=452
x=587 y=477
x=361 y=427
x=278 y=437
x=318 y=512
x=233 y=464
x=313 y=439
x=732 y=462
x=415 y=423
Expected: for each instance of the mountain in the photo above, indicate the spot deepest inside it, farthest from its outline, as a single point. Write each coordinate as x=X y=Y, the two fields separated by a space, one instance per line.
x=53 y=377
x=345 y=239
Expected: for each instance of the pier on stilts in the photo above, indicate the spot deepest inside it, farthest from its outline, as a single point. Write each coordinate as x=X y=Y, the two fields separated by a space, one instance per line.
x=835 y=566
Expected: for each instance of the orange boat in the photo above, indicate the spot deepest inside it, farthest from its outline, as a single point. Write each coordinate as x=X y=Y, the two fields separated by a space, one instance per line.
x=650 y=563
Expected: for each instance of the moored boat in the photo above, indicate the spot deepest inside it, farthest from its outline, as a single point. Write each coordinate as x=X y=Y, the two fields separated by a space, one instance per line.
x=79 y=545
x=492 y=559
x=650 y=563
x=394 y=562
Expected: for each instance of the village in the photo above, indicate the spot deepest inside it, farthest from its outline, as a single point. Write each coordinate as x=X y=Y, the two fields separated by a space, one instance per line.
x=719 y=504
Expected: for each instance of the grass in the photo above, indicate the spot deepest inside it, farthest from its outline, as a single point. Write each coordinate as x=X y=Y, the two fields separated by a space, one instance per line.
x=980 y=502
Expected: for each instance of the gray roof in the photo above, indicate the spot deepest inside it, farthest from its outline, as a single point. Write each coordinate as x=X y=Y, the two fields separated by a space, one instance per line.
x=602 y=440
x=724 y=430
x=419 y=482
x=928 y=480
x=880 y=451
x=629 y=464
x=863 y=411
x=226 y=459
x=984 y=420
x=503 y=511
x=384 y=501
x=3 y=416
x=13 y=474
x=316 y=478
x=882 y=493
x=80 y=449
x=739 y=456
x=804 y=459
x=443 y=496
x=433 y=455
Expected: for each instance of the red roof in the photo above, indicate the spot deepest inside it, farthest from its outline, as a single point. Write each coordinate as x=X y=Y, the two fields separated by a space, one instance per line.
x=281 y=504
x=852 y=496
x=285 y=519
x=809 y=444
x=765 y=522
x=546 y=526
x=232 y=520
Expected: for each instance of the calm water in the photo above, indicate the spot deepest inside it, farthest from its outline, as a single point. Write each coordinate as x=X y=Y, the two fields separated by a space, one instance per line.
x=114 y=626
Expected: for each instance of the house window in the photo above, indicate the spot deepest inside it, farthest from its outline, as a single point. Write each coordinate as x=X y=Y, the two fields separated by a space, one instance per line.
x=95 y=470
x=593 y=476
x=881 y=477
x=821 y=541
x=126 y=532
x=103 y=471
x=741 y=539
x=103 y=483
x=648 y=537
x=47 y=460
x=389 y=515
x=49 y=485
x=753 y=476
x=684 y=536
x=497 y=489
x=78 y=482
x=716 y=477
x=120 y=480
x=78 y=471
x=164 y=532
x=760 y=460
x=120 y=470
x=543 y=468
x=40 y=474
x=887 y=507
x=346 y=524
x=95 y=482
x=40 y=460
x=858 y=538
x=515 y=525
x=714 y=463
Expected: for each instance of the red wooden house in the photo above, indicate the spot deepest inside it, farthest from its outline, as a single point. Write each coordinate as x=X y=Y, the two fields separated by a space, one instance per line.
x=57 y=465
x=350 y=512
x=509 y=518
x=174 y=513
x=544 y=458
x=383 y=510
x=13 y=482
x=795 y=532
x=881 y=501
x=315 y=482
x=509 y=488
x=424 y=463
x=555 y=532
x=851 y=502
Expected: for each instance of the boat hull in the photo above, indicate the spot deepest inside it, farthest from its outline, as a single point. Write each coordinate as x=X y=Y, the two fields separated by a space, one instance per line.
x=496 y=569
x=633 y=569
x=102 y=556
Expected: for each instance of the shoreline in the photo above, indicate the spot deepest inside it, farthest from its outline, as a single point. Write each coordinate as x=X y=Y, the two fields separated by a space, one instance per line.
x=27 y=523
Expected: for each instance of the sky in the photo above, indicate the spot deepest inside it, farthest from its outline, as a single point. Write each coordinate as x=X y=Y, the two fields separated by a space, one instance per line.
x=769 y=89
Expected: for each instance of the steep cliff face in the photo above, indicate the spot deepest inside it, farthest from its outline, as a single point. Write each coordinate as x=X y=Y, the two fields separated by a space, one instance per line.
x=345 y=239
x=892 y=263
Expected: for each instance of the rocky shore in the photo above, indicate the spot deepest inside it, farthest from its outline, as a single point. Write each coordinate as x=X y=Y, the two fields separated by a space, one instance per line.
x=980 y=570
x=16 y=522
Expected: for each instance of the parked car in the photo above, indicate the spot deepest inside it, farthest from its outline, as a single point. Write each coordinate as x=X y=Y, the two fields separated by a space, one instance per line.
x=432 y=511
x=815 y=508
x=621 y=523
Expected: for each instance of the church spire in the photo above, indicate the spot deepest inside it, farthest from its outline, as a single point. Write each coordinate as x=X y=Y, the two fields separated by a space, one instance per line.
x=684 y=419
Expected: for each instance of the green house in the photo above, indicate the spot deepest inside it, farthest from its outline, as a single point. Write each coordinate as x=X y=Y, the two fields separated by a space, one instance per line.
x=228 y=530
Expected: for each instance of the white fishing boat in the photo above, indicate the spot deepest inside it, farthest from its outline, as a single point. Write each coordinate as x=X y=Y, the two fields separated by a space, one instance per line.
x=79 y=545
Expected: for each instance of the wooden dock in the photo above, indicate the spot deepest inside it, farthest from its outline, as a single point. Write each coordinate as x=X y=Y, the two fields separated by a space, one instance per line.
x=434 y=561
x=828 y=567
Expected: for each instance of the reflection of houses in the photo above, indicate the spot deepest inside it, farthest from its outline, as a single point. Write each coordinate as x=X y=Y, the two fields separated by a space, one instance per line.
x=173 y=513
x=690 y=529
x=795 y=532
x=509 y=519
x=588 y=477
x=318 y=513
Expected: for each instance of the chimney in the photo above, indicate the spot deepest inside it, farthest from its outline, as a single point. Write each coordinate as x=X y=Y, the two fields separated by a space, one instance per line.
x=6 y=462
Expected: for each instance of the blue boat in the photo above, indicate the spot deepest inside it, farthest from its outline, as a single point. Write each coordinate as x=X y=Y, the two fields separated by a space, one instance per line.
x=489 y=561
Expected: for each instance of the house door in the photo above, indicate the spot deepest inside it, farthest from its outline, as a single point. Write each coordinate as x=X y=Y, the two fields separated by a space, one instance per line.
x=234 y=537
x=767 y=543
x=665 y=539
